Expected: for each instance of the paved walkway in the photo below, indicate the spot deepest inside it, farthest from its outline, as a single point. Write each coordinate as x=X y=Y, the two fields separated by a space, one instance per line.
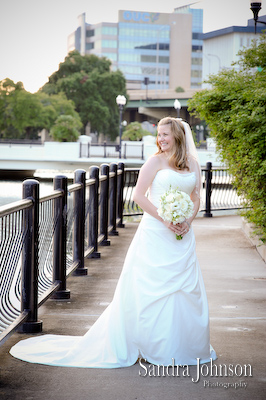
x=235 y=279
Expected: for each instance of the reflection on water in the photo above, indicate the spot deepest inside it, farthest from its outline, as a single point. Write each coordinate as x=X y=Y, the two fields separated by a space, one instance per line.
x=11 y=191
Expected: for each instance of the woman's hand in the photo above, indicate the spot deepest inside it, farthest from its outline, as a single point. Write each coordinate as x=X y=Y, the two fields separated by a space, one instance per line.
x=179 y=229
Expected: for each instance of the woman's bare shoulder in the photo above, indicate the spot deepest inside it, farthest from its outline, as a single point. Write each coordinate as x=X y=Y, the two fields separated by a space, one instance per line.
x=154 y=162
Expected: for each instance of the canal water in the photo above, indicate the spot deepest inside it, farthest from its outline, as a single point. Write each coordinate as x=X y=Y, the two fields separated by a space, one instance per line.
x=11 y=189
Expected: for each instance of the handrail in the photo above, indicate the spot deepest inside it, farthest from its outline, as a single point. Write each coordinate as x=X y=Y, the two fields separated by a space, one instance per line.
x=56 y=194
x=15 y=206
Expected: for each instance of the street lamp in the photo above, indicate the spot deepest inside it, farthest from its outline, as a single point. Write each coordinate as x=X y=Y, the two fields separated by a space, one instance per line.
x=120 y=101
x=177 y=106
x=255 y=8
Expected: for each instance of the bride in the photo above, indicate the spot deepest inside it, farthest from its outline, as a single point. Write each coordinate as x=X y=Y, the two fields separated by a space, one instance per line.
x=159 y=311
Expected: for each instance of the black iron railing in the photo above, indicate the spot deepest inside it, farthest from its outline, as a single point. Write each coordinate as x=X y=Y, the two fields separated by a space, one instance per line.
x=111 y=150
x=43 y=240
x=218 y=191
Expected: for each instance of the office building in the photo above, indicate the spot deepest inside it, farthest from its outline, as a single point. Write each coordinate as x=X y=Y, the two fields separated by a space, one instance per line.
x=221 y=47
x=157 y=52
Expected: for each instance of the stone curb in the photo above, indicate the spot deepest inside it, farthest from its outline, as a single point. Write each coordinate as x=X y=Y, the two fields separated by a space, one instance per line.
x=249 y=231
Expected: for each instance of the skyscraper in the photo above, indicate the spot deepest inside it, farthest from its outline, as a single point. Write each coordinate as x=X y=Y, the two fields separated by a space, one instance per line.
x=158 y=51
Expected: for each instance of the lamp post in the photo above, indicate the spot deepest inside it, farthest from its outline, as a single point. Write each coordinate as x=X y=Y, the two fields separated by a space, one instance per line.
x=255 y=8
x=120 y=101
x=177 y=106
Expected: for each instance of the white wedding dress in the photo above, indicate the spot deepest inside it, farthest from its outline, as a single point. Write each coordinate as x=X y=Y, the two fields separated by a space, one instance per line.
x=159 y=311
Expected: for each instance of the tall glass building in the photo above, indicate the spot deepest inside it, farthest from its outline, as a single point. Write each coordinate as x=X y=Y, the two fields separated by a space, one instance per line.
x=143 y=53
x=197 y=43
x=155 y=51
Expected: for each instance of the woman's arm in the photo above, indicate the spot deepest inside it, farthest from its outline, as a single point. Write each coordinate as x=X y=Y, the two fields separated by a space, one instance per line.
x=145 y=178
x=196 y=202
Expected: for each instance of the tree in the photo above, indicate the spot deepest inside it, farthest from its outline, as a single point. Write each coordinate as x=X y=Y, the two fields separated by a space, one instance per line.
x=54 y=106
x=93 y=87
x=23 y=114
x=66 y=129
x=235 y=110
x=19 y=111
x=134 y=131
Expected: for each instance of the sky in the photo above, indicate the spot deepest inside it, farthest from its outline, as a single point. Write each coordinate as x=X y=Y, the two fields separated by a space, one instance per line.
x=33 y=33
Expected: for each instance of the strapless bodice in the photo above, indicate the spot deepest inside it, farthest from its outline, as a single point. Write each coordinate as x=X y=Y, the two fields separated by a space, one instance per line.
x=168 y=177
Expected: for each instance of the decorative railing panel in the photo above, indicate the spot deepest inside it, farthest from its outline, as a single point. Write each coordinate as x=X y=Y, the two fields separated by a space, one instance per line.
x=43 y=240
x=218 y=192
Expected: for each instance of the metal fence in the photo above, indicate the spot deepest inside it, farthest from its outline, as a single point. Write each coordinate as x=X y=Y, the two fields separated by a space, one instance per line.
x=218 y=192
x=111 y=150
x=43 y=240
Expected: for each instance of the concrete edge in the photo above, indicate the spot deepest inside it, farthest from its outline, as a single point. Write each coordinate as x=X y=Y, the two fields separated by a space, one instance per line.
x=249 y=229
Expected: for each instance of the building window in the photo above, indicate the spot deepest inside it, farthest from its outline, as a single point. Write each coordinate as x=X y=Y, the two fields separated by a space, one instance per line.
x=143 y=58
x=133 y=30
x=196 y=48
x=196 y=35
x=106 y=30
x=89 y=46
x=111 y=44
x=147 y=45
x=196 y=61
x=110 y=56
x=109 y=30
x=89 y=32
x=196 y=73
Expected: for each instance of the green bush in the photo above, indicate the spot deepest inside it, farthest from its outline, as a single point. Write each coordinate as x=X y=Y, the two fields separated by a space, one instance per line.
x=235 y=110
x=134 y=131
x=179 y=89
x=66 y=129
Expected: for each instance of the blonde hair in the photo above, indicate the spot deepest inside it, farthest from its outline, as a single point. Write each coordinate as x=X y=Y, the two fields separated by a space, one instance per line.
x=178 y=159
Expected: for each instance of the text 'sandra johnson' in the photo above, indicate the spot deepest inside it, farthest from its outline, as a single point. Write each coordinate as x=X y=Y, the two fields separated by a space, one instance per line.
x=202 y=370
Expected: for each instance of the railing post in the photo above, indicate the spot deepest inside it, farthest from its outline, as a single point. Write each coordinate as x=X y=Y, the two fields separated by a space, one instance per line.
x=79 y=222
x=208 y=183
x=30 y=259
x=59 y=239
x=104 y=196
x=113 y=200
x=93 y=212
x=120 y=194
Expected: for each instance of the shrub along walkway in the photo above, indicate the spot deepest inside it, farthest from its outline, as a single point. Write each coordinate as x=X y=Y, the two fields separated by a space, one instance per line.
x=235 y=279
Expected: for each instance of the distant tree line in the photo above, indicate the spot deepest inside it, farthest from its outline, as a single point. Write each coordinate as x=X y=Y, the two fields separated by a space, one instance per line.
x=82 y=91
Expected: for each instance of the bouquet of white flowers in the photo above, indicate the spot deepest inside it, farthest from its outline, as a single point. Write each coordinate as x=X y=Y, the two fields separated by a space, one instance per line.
x=175 y=206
